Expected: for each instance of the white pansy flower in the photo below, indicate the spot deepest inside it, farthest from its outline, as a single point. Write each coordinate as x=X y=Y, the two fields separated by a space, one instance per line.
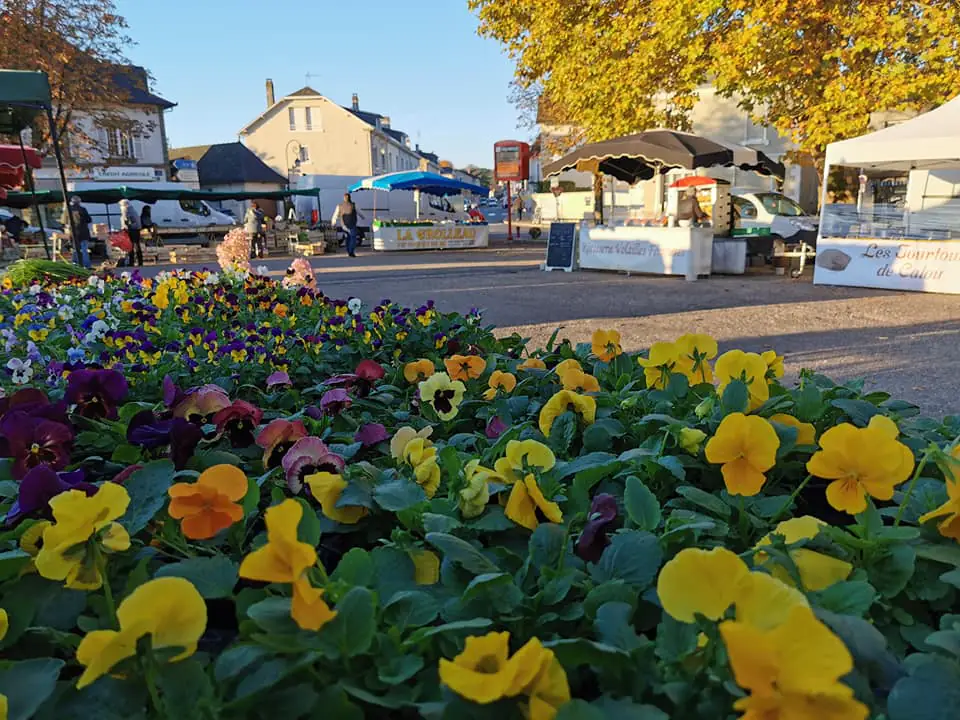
x=65 y=313
x=34 y=290
x=263 y=270
x=211 y=279
x=22 y=372
x=93 y=281
x=354 y=305
x=125 y=276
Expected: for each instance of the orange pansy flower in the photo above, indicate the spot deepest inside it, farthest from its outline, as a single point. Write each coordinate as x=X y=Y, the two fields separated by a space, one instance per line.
x=210 y=504
x=465 y=367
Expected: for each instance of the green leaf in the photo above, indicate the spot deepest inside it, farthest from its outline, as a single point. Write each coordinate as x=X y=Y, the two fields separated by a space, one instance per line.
x=672 y=464
x=355 y=568
x=147 y=488
x=623 y=709
x=641 y=504
x=265 y=676
x=613 y=626
x=308 y=530
x=547 y=544
x=353 y=628
x=398 y=494
x=893 y=570
x=410 y=608
x=126 y=455
x=27 y=684
x=930 y=692
x=399 y=669
x=604 y=461
x=296 y=702
x=675 y=640
x=952 y=577
x=492 y=520
x=210 y=458
x=562 y=432
x=809 y=403
x=703 y=499
x=273 y=615
x=434 y=522
x=613 y=591
x=947 y=554
x=847 y=598
x=336 y=705
x=214 y=577
x=393 y=572
x=185 y=688
x=632 y=556
x=859 y=411
x=573 y=652
x=579 y=710
x=736 y=398
x=462 y=553
x=459 y=627
x=237 y=659
x=107 y=699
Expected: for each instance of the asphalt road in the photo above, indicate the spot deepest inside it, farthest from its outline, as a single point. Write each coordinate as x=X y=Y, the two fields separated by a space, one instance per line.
x=905 y=343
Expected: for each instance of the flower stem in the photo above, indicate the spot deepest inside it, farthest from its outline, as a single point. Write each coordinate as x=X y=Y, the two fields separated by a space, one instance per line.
x=107 y=592
x=149 y=665
x=913 y=481
x=789 y=502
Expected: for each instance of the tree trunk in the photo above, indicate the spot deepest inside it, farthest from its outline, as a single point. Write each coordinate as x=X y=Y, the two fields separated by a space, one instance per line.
x=598 y=198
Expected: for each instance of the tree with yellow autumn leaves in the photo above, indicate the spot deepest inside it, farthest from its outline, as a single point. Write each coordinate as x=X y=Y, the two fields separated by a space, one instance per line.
x=813 y=69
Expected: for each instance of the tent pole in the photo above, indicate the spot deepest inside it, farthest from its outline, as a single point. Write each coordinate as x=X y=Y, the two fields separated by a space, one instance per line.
x=28 y=172
x=416 y=201
x=63 y=184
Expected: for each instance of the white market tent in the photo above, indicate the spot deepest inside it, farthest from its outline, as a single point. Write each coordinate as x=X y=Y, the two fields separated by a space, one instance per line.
x=927 y=142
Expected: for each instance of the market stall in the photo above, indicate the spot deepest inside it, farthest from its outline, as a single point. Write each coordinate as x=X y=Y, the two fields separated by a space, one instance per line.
x=673 y=242
x=909 y=247
x=416 y=234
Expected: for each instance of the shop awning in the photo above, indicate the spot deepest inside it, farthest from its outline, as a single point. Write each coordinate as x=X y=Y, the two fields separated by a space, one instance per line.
x=22 y=96
x=12 y=164
x=115 y=194
x=425 y=182
x=642 y=156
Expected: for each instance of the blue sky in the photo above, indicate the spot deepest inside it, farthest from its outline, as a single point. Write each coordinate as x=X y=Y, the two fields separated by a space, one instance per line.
x=418 y=61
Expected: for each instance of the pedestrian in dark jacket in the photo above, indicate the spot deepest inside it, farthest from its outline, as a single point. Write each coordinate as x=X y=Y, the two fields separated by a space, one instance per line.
x=130 y=221
x=81 y=231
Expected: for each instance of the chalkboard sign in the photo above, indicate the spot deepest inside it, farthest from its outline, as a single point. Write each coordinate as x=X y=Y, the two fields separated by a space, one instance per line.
x=561 y=246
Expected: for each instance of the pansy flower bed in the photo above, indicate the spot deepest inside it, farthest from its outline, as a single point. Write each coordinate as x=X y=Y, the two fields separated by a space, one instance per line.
x=226 y=497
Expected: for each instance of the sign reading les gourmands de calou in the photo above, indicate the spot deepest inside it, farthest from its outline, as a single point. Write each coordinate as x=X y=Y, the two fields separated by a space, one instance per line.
x=889 y=264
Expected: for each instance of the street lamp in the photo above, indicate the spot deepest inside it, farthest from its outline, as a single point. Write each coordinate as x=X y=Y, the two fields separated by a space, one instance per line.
x=295 y=166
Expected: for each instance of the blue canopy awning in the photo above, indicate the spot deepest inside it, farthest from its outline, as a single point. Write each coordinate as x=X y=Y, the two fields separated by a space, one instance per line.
x=425 y=182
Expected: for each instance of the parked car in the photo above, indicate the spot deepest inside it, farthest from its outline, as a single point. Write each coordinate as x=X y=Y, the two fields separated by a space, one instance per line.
x=775 y=211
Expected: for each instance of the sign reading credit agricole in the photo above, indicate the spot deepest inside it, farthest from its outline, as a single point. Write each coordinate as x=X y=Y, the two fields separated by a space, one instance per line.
x=889 y=263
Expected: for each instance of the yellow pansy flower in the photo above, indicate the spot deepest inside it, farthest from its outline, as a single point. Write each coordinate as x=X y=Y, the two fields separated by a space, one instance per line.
x=746 y=446
x=549 y=691
x=442 y=394
x=579 y=381
x=473 y=498
x=525 y=500
x=950 y=510
x=327 y=488
x=426 y=567
x=532 y=364
x=404 y=435
x=662 y=359
x=584 y=405
x=522 y=456
x=4 y=624
x=750 y=369
x=792 y=671
x=806 y=432
x=422 y=457
x=605 y=344
x=284 y=559
x=168 y=609
x=694 y=352
x=817 y=571
x=500 y=380
x=774 y=363
x=861 y=461
x=690 y=439
x=81 y=526
x=568 y=364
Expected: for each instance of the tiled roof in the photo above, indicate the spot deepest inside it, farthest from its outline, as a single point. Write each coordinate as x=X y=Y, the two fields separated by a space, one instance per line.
x=228 y=164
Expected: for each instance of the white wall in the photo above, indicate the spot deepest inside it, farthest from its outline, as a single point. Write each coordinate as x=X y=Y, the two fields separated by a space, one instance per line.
x=148 y=148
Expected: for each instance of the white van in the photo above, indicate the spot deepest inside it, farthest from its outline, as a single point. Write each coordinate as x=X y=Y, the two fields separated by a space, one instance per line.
x=773 y=210
x=192 y=216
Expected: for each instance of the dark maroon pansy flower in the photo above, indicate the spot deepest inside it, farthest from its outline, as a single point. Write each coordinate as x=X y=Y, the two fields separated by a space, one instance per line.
x=96 y=393
x=593 y=539
x=307 y=456
x=39 y=486
x=239 y=422
x=34 y=402
x=371 y=434
x=148 y=431
x=335 y=401
x=33 y=441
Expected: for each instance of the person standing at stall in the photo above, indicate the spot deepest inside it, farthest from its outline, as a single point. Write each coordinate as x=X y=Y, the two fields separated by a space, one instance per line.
x=81 y=224
x=253 y=227
x=146 y=221
x=348 y=215
x=130 y=223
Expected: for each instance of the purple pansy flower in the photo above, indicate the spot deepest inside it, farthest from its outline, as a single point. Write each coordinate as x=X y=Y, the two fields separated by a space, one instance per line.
x=96 y=393
x=307 y=456
x=370 y=434
x=335 y=401
x=278 y=378
x=495 y=428
x=593 y=539
x=33 y=441
x=41 y=485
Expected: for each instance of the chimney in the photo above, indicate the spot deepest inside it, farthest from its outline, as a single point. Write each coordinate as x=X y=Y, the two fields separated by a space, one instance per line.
x=385 y=121
x=355 y=102
x=270 y=98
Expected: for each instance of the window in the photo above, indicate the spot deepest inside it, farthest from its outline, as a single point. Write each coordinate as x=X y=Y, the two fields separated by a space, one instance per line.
x=777 y=204
x=292 y=114
x=755 y=134
x=116 y=143
x=304 y=154
x=744 y=208
x=308 y=112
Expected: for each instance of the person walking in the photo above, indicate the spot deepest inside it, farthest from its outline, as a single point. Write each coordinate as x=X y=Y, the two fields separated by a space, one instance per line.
x=518 y=207
x=130 y=222
x=146 y=223
x=348 y=215
x=81 y=224
x=253 y=227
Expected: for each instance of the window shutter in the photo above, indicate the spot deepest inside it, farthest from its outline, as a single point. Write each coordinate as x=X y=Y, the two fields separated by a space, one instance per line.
x=137 y=147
